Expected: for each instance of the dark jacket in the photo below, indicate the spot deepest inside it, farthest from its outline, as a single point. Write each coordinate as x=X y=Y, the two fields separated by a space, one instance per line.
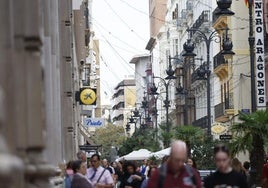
x=133 y=183
x=80 y=182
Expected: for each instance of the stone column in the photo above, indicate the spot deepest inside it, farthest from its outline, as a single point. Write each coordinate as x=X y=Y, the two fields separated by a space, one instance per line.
x=66 y=77
x=26 y=109
x=9 y=163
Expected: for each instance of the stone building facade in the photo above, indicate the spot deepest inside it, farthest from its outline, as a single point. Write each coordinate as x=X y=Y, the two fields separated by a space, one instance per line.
x=39 y=76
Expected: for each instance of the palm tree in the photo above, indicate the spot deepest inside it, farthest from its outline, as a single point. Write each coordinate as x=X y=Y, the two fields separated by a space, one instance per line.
x=250 y=135
x=189 y=134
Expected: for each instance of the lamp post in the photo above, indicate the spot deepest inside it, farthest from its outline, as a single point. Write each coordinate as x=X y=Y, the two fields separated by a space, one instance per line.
x=133 y=119
x=127 y=128
x=154 y=92
x=204 y=71
x=181 y=90
x=251 y=40
x=145 y=106
x=136 y=114
x=166 y=82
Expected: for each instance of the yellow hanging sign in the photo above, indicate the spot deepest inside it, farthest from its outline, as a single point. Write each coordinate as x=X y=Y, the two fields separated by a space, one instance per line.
x=88 y=96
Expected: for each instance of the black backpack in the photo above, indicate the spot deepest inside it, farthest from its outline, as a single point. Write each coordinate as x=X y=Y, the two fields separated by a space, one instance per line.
x=163 y=173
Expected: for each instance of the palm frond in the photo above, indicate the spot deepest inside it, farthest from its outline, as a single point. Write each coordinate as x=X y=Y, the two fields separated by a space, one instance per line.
x=251 y=124
x=241 y=144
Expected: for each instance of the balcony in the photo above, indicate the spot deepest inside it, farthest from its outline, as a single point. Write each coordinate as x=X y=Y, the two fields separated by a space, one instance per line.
x=202 y=122
x=120 y=92
x=220 y=66
x=202 y=21
x=224 y=110
x=120 y=117
x=119 y=105
x=229 y=106
x=218 y=21
x=194 y=77
x=219 y=111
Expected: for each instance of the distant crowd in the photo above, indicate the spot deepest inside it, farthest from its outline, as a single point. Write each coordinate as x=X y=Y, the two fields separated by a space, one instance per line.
x=175 y=171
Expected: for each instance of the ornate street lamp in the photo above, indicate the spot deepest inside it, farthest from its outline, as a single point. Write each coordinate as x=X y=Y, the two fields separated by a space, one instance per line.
x=184 y=70
x=203 y=71
x=180 y=90
x=144 y=103
x=166 y=82
x=227 y=46
x=154 y=92
x=136 y=113
x=188 y=47
x=223 y=7
x=127 y=128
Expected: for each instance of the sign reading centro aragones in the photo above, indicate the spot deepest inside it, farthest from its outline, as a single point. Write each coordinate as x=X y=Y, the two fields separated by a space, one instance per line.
x=260 y=53
x=87 y=96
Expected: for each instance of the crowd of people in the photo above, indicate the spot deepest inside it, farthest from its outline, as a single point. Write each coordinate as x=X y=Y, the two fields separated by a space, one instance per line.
x=175 y=171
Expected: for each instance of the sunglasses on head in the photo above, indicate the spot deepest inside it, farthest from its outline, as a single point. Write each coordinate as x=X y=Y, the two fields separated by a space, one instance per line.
x=221 y=148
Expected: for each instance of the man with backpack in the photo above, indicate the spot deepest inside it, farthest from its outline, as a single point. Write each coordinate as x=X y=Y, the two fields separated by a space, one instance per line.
x=175 y=173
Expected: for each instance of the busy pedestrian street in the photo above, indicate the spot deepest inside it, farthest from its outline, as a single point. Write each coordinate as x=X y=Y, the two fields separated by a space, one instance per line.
x=134 y=94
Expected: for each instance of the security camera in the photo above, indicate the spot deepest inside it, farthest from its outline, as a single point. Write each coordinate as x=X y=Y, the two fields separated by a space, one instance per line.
x=82 y=62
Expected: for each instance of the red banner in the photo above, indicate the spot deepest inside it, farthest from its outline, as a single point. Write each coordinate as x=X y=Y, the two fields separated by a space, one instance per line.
x=247 y=2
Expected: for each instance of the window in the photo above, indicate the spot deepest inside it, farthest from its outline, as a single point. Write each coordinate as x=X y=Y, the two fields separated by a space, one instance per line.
x=175 y=13
x=175 y=47
x=167 y=55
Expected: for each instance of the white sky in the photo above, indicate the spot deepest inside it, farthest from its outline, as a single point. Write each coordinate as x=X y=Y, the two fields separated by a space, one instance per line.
x=122 y=26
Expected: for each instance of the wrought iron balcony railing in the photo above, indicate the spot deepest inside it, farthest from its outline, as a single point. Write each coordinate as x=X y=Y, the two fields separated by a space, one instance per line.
x=202 y=122
x=218 y=60
x=220 y=108
x=195 y=76
x=203 y=18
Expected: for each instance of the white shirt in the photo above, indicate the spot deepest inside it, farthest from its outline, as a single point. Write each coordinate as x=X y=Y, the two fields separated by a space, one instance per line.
x=106 y=178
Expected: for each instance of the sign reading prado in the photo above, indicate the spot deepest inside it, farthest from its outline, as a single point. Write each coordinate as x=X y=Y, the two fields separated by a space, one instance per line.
x=94 y=122
x=260 y=64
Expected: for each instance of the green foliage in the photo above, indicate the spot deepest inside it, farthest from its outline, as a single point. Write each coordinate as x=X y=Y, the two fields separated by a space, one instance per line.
x=251 y=135
x=191 y=135
x=154 y=161
x=108 y=136
x=143 y=138
x=202 y=153
x=165 y=136
x=255 y=124
x=200 y=147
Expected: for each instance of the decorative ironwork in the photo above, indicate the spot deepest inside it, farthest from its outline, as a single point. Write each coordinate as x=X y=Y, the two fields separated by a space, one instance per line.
x=219 y=110
x=202 y=122
x=203 y=18
x=219 y=60
x=227 y=104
